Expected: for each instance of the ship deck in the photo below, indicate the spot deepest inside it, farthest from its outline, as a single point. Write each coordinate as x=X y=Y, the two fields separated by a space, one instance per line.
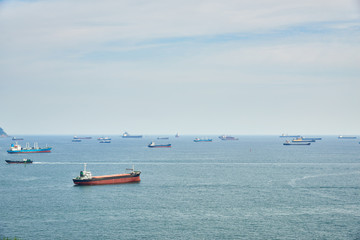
x=112 y=176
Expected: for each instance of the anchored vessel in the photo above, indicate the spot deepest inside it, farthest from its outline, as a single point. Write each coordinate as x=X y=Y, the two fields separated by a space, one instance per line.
x=202 y=140
x=76 y=137
x=86 y=178
x=16 y=148
x=127 y=135
x=300 y=139
x=311 y=138
x=25 y=160
x=154 y=145
x=17 y=139
x=104 y=138
x=296 y=143
x=346 y=137
x=289 y=136
x=224 y=137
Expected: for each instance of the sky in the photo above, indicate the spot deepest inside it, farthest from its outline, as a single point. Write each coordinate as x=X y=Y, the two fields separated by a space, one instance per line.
x=262 y=67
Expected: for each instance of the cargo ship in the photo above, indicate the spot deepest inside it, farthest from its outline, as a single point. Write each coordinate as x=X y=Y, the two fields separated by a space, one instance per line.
x=104 y=138
x=24 y=161
x=16 y=148
x=202 y=140
x=153 y=145
x=17 y=139
x=311 y=138
x=346 y=137
x=298 y=143
x=289 y=136
x=86 y=178
x=127 y=135
x=76 y=137
x=224 y=137
x=300 y=139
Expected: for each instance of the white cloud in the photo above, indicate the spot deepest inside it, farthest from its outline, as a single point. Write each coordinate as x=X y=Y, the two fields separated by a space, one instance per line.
x=44 y=28
x=84 y=22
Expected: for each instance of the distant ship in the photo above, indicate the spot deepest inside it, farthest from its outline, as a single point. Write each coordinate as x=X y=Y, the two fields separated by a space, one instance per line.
x=16 y=148
x=126 y=135
x=86 y=178
x=104 y=138
x=76 y=137
x=298 y=143
x=76 y=140
x=24 y=161
x=17 y=139
x=346 y=137
x=177 y=135
x=289 y=136
x=154 y=145
x=300 y=139
x=202 y=140
x=105 y=141
x=314 y=138
x=162 y=138
x=224 y=137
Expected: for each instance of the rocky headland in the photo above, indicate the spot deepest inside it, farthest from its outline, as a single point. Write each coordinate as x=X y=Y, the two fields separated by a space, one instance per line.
x=3 y=133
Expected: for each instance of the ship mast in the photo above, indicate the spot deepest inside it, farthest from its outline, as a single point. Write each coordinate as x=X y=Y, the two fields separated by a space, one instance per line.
x=131 y=169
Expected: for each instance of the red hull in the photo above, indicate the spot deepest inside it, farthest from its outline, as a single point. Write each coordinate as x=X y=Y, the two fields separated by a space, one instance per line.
x=95 y=181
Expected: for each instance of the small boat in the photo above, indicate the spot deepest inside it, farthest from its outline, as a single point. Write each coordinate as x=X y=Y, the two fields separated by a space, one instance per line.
x=86 y=178
x=76 y=140
x=298 y=143
x=17 y=139
x=105 y=141
x=300 y=139
x=24 y=161
x=346 y=137
x=127 y=135
x=202 y=140
x=76 y=137
x=16 y=148
x=177 y=135
x=153 y=145
x=224 y=137
x=162 y=138
x=289 y=136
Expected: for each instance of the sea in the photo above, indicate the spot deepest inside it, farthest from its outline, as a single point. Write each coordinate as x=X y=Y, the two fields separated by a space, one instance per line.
x=252 y=188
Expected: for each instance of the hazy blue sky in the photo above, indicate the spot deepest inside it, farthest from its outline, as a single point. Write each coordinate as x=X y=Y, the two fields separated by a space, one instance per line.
x=193 y=67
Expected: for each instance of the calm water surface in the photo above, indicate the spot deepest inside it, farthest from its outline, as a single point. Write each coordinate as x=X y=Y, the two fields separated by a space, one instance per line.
x=254 y=188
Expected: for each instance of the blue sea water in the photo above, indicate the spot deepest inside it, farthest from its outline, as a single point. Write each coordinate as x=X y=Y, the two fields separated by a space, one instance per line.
x=253 y=188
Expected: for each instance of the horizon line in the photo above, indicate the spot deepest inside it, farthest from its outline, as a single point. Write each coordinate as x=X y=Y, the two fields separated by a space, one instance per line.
x=164 y=134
